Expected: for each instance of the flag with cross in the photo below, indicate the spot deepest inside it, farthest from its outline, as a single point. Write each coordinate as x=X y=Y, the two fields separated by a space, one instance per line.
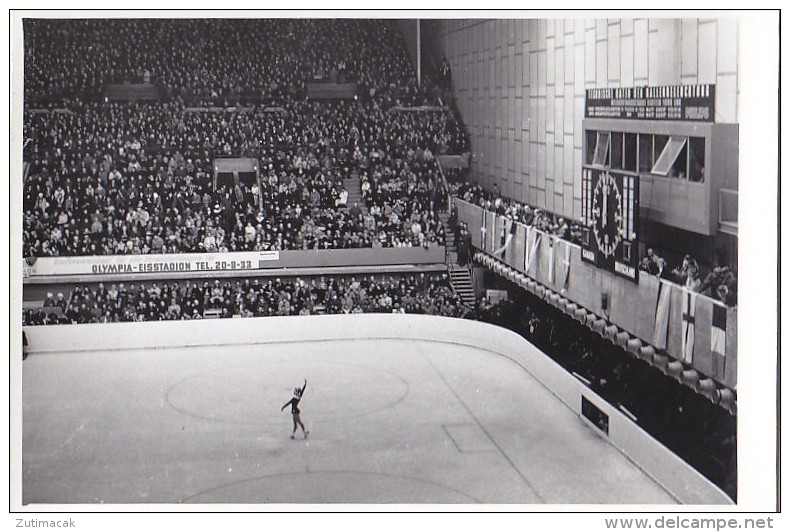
x=687 y=330
x=718 y=340
x=566 y=266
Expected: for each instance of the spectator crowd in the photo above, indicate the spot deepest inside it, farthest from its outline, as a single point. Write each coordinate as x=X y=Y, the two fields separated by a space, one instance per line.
x=188 y=300
x=138 y=178
x=218 y=57
x=116 y=178
x=518 y=211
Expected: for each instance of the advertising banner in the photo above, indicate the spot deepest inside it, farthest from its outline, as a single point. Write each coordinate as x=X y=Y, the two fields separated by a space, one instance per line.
x=155 y=264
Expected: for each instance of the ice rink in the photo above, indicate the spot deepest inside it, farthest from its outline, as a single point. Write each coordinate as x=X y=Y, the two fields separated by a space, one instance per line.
x=390 y=421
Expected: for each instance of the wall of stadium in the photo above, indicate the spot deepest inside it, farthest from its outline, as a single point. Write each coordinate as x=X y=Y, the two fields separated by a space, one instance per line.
x=519 y=86
x=677 y=477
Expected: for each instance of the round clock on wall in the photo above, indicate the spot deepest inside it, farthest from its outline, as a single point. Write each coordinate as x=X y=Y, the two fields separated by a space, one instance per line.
x=607 y=214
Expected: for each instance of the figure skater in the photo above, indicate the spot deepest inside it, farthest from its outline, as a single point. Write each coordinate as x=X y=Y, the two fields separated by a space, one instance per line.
x=294 y=402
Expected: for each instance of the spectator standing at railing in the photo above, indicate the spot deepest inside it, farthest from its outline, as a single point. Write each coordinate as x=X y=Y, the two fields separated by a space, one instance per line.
x=727 y=291
x=711 y=282
x=562 y=230
x=652 y=263
x=682 y=273
x=693 y=281
x=464 y=246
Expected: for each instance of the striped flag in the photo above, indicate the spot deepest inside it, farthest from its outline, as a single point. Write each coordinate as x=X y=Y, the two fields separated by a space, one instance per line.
x=662 y=316
x=552 y=250
x=566 y=266
x=527 y=231
x=718 y=340
x=533 y=249
x=493 y=231
x=483 y=230
x=689 y=304
x=506 y=236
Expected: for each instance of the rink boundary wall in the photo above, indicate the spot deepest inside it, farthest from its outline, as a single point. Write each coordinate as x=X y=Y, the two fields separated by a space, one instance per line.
x=682 y=481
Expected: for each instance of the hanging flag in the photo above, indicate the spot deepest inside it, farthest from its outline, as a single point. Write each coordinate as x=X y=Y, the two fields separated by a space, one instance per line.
x=483 y=230
x=527 y=231
x=689 y=304
x=511 y=233
x=566 y=266
x=718 y=340
x=533 y=249
x=662 y=315
x=505 y=237
x=493 y=231
x=552 y=243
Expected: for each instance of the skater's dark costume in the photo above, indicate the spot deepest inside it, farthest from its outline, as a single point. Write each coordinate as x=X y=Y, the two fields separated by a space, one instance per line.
x=294 y=402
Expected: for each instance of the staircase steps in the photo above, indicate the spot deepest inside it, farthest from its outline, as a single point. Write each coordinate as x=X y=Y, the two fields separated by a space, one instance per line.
x=462 y=283
x=351 y=185
x=460 y=278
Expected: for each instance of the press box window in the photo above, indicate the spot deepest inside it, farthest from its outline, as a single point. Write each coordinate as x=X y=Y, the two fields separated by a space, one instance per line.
x=646 y=158
x=617 y=150
x=667 y=163
x=696 y=148
x=601 y=157
x=623 y=147
x=629 y=152
x=659 y=142
x=680 y=166
x=591 y=143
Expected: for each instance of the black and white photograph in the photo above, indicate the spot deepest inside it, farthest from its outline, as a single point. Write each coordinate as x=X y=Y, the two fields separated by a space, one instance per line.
x=285 y=260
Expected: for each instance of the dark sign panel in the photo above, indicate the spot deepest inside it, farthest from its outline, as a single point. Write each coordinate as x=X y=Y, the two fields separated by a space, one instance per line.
x=694 y=103
x=610 y=211
x=596 y=416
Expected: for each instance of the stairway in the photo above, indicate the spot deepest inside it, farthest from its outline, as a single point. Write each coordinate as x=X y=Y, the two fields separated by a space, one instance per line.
x=460 y=278
x=449 y=239
x=462 y=284
x=351 y=184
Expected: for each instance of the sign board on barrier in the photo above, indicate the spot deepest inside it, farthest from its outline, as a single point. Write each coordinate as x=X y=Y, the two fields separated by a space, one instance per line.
x=495 y=296
x=111 y=264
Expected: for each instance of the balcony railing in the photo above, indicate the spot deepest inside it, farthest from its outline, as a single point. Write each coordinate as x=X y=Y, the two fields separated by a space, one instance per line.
x=615 y=305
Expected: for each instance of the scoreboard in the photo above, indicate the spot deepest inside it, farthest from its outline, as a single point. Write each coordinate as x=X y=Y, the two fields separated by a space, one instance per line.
x=690 y=103
x=610 y=213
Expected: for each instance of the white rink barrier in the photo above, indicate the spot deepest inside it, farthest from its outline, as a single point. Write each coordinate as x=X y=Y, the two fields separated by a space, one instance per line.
x=681 y=480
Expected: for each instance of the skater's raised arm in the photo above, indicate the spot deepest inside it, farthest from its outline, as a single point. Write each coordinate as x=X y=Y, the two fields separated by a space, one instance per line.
x=304 y=387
